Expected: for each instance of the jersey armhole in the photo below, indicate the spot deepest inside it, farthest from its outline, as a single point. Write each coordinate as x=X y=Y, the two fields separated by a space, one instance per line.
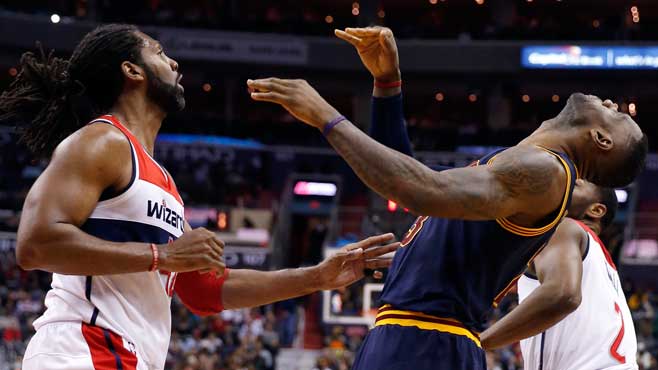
x=586 y=247
x=536 y=231
x=109 y=193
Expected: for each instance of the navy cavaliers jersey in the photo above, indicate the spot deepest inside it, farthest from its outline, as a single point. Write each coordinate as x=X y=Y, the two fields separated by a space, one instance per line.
x=459 y=269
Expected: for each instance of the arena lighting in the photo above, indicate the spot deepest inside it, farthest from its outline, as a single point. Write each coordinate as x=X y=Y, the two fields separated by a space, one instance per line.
x=632 y=109
x=589 y=57
x=622 y=195
x=391 y=206
x=55 y=18
x=329 y=19
x=222 y=221
x=325 y=189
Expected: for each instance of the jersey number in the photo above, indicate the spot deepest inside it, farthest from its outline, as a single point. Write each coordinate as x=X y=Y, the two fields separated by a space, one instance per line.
x=617 y=342
x=413 y=231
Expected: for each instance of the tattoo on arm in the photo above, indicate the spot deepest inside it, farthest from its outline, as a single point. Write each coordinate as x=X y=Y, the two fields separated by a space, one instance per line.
x=524 y=176
x=513 y=181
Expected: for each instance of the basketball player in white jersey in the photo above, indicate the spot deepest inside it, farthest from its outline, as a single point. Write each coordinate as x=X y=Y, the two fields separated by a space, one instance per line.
x=108 y=221
x=572 y=313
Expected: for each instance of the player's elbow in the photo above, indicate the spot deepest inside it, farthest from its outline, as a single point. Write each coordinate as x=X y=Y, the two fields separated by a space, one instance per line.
x=27 y=254
x=567 y=299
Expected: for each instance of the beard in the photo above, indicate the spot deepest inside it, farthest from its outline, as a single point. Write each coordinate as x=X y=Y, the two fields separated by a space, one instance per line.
x=168 y=97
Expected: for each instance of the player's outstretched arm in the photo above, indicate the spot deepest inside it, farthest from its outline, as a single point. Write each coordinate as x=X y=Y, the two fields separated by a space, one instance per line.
x=559 y=269
x=378 y=52
x=205 y=294
x=63 y=197
x=248 y=288
x=522 y=180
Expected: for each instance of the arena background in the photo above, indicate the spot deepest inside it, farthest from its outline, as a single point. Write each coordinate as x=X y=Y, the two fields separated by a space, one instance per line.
x=478 y=74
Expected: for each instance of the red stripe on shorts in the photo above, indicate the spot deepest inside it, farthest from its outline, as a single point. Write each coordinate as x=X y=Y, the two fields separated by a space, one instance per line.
x=107 y=355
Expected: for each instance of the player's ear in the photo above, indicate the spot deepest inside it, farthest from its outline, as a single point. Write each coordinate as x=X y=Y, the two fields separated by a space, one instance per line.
x=132 y=71
x=601 y=138
x=596 y=210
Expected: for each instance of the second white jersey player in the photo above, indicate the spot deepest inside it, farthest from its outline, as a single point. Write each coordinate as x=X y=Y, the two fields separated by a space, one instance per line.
x=599 y=334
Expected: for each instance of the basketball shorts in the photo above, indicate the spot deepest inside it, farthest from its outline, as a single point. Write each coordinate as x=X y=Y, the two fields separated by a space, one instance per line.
x=402 y=340
x=79 y=346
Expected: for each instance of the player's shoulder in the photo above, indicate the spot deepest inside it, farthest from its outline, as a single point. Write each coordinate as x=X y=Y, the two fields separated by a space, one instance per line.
x=531 y=172
x=533 y=157
x=95 y=141
x=571 y=230
x=101 y=148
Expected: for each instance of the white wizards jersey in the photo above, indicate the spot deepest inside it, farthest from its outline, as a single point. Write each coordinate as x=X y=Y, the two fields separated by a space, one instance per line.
x=599 y=334
x=136 y=306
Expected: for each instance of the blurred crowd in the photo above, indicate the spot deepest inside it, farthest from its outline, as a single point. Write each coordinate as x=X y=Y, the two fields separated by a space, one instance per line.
x=482 y=19
x=251 y=339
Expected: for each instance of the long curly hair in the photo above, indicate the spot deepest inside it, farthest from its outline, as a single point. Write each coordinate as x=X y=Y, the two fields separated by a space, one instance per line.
x=52 y=97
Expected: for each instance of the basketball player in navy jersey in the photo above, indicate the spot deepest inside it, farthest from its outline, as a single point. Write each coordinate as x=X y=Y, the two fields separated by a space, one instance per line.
x=107 y=219
x=479 y=225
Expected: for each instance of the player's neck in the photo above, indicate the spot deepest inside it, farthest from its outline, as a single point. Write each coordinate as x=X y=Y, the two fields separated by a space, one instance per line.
x=555 y=140
x=594 y=226
x=141 y=117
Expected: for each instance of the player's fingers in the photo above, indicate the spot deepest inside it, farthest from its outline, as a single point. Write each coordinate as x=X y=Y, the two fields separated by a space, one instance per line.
x=272 y=97
x=380 y=251
x=375 y=240
x=347 y=37
x=353 y=254
x=267 y=84
x=378 y=263
x=364 y=31
x=217 y=245
x=387 y=41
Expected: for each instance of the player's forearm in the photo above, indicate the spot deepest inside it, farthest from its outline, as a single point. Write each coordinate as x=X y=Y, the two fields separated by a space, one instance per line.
x=391 y=174
x=388 y=126
x=250 y=288
x=65 y=249
x=543 y=308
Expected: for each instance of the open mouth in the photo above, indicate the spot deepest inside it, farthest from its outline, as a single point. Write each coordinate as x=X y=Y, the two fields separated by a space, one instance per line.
x=180 y=77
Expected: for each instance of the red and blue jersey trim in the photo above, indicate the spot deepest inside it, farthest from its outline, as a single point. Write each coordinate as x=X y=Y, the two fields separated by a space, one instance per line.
x=149 y=169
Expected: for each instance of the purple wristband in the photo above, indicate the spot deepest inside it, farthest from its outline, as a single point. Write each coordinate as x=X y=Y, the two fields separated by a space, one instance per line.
x=329 y=126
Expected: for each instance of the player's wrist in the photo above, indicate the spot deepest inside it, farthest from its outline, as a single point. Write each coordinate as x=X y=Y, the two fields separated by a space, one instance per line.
x=329 y=125
x=388 y=78
x=315 y=277
x=161 y=256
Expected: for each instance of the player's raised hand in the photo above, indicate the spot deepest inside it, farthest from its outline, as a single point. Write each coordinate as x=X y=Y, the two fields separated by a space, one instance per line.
x=195 y=250
x=378 y=51
x=296 y=96
x=346 y=266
